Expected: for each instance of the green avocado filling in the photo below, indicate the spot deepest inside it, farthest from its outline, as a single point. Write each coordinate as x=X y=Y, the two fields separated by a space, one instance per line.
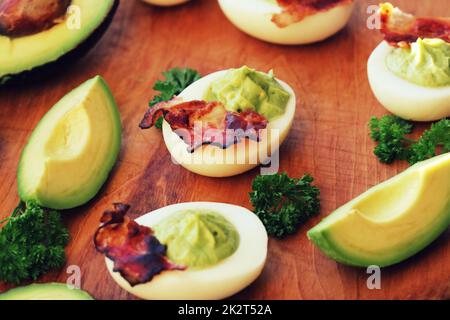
x=197 y=238
x=425 y=63
x=246 y=89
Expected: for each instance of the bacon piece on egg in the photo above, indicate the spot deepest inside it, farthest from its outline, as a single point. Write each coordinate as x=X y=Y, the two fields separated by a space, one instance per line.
x=199 y=122
x=137 y=254
x=401 y=29
x=296 y=10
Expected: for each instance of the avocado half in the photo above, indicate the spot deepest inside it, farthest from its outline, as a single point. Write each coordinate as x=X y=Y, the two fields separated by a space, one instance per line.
x=73 y=148
x=391 y=221
x=45 y=291
x=27 y=58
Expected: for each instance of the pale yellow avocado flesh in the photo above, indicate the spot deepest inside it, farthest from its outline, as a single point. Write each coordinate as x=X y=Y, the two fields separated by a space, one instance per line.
x=73 y=148
x=27 y=52
x=45 y=291
x=392 y=221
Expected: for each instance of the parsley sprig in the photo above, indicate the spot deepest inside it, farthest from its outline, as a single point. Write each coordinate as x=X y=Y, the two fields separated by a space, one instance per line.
x=390 y=133
x=283 y=203
x=32 y=242
x=176 y=80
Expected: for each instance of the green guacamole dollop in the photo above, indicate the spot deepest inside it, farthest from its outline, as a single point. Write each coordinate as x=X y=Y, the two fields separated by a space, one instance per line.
x=246 y=89
x=426 y=63
x=197 y=238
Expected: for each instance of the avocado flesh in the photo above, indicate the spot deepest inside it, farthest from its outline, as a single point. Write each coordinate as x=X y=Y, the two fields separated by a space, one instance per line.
x=392 y=221
x=46 y=291
x=23 y=17
x=22 y=57
x=73 y=148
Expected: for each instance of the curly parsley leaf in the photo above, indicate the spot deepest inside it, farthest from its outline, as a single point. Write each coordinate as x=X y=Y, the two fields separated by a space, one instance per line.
x=392 y=144
x=389 y=132
x=283 y=203
x=437 y=137
x=32 y=243
x=176 y=80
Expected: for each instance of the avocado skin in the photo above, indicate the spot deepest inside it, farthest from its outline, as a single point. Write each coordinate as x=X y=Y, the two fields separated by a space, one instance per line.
x=33 y=291
x=51 y=68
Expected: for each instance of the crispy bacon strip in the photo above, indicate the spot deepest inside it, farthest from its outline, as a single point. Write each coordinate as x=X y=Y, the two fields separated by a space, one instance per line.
x=296 y=10
x=136 y=252
x=401 y=29
x=200 y=122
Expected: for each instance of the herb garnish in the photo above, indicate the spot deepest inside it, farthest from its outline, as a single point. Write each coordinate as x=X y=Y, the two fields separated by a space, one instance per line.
x=283 y=203
x=176 y=80
x=32 y=243
x=390 y=133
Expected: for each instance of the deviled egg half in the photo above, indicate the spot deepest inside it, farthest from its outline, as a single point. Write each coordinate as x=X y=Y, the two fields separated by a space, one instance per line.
x=411 y=78
x=290 y=22
x=237 y=119
x=165 y=3
x=219 y=249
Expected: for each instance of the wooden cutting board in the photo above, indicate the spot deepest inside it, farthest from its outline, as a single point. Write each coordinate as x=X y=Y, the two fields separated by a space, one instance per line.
x=329 y=140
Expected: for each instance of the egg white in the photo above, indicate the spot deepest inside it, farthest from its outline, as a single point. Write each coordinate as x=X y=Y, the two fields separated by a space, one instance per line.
x=165 y=3
x=213 y=161
x=220 y=281
x=254 y=18
x=404 y=98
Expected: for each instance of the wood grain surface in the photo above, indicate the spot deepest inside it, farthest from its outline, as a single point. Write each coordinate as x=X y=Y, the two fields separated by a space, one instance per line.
x=329 y=139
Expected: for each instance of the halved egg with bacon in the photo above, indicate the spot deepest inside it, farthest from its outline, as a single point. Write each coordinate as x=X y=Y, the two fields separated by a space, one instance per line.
x=289 y=22
x=165 y=3
x=409 y=72
x=223 y=135
x=186 y=251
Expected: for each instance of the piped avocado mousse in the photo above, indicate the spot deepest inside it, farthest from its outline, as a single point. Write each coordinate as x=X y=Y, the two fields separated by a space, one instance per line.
x=197 y=238
x=39 y=36
x=73 y=148
x=425 y=62
x=392 y=221
x=246 y=89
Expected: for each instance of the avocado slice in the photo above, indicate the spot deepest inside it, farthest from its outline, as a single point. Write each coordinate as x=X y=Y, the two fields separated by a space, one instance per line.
x=72 y=149
x=392 y=221
x=45 y=291
x=26 y=58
